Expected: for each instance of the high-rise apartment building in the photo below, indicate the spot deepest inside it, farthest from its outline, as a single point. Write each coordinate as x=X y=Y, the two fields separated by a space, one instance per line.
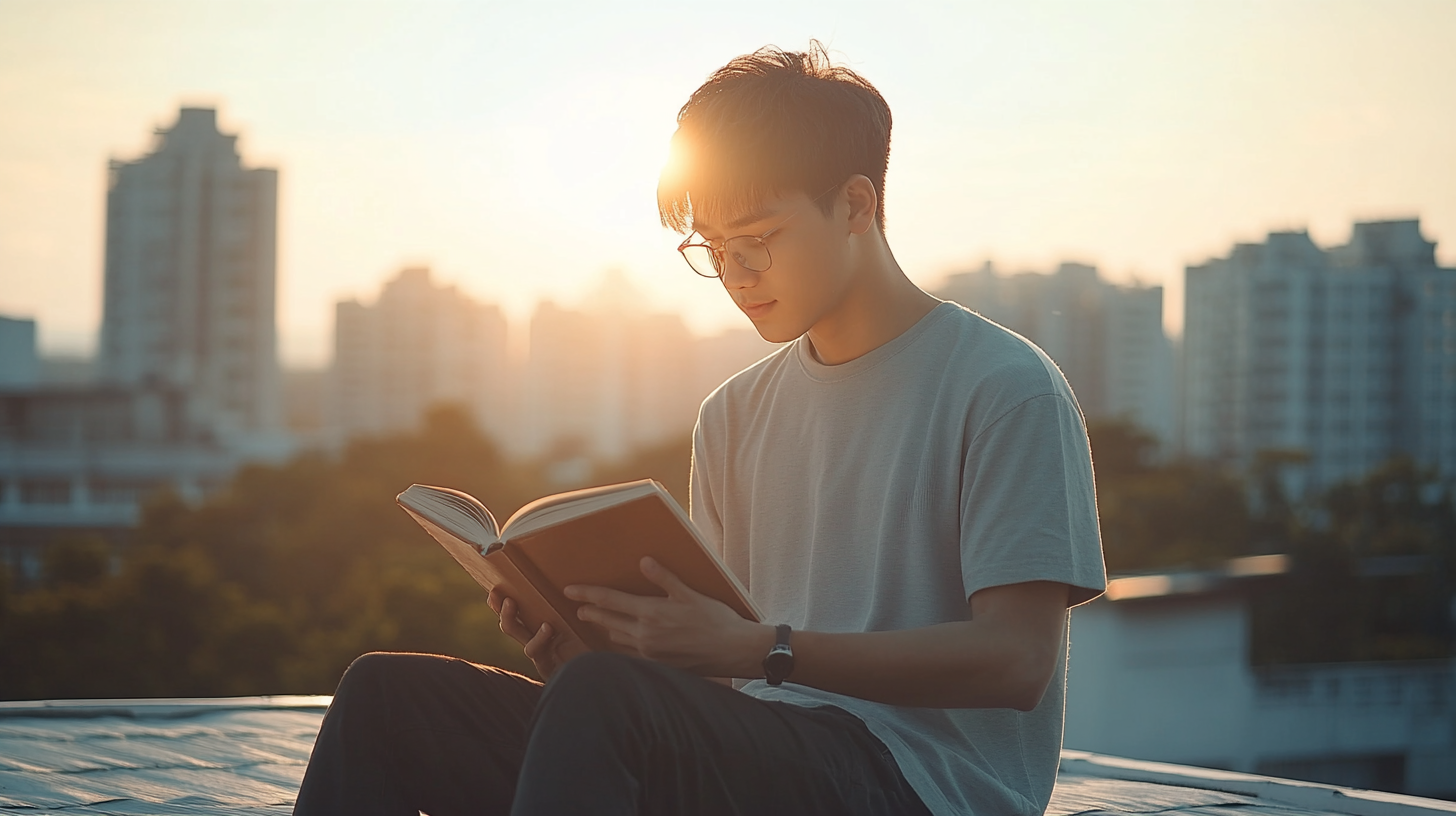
x=418 y=345
x=1342 y=357
x=190 y=266
x=608 y=377
x=1107 y=339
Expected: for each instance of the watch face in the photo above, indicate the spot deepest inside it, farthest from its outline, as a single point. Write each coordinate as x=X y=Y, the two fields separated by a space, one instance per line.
x=777 y=666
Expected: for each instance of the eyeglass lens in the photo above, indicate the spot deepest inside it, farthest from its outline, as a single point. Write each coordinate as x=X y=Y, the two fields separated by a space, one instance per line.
x=746 y=251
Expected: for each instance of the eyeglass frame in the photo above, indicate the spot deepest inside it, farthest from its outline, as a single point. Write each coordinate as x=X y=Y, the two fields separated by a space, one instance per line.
x=719 y=256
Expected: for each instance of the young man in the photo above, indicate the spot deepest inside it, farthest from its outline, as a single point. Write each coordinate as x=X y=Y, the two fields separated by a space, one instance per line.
x=905 y=488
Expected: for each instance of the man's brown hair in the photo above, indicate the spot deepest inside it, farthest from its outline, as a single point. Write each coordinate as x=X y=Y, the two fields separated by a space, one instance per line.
x=773 y=122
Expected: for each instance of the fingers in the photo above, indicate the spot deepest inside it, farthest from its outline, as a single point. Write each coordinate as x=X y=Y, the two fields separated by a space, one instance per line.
x=605 y=617
x=511 y=624
x=617 y=601
x=538 y=649
x=660 y=575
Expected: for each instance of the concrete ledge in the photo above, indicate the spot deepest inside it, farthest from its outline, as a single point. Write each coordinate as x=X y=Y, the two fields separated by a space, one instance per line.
x=157 y=708
x=1305 y=795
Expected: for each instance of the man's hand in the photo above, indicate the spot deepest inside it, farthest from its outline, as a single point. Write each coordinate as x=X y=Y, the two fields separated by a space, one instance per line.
x=686 y=629
x=539 y=645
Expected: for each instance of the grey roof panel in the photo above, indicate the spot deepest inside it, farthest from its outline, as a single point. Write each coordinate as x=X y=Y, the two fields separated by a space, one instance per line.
x=155 y=757
x=245 y=757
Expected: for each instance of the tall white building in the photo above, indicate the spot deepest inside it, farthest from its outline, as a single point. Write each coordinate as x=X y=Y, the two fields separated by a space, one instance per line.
x=191 y=247
x=1345 y=357
x=419 y=344
x=1107 y=339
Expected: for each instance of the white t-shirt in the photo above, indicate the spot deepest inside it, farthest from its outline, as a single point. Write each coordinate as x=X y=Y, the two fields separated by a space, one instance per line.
x=880 y=494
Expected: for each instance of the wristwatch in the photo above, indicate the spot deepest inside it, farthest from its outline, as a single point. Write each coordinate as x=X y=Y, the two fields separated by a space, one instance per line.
x=779 y=663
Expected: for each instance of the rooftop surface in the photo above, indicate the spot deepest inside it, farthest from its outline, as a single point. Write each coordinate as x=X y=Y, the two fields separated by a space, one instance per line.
x=247 y=755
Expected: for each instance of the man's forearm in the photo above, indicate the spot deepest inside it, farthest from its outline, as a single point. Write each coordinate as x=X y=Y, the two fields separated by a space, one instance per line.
x=996 y=660
x=1002 y=657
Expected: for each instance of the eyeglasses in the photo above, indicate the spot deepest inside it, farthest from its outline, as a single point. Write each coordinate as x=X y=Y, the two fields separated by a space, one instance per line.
x=748 y=251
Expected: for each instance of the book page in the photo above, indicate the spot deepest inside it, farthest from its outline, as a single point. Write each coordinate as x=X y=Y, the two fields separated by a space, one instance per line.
x=561 y=507
x=460 y=513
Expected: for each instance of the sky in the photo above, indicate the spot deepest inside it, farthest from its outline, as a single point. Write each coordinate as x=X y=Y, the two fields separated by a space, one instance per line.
x=515 y=148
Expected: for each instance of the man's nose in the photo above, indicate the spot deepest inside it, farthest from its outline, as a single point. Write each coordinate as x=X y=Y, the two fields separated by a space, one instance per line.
x=736 y=275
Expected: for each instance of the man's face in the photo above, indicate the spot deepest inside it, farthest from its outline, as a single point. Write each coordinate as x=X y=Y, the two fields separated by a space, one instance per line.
x=809 y=273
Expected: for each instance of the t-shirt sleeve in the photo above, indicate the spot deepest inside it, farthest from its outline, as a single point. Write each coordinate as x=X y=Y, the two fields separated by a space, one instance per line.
x=702 y=506
x=1028 y=504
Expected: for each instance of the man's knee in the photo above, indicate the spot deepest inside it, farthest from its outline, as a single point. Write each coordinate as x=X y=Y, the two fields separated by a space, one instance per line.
x=377 y=671
x=603 y=670
x=381 y=665
x=604 y=683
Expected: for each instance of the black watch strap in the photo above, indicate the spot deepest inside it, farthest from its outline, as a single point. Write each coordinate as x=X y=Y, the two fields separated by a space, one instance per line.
x=779 y=663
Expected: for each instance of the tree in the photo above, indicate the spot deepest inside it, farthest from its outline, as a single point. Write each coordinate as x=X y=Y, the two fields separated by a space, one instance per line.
x=1375 y=574
x=1162 y=515
x=270 y=586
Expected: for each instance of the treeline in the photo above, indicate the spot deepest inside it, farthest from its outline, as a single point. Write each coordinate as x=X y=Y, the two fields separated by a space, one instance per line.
x=1374 y=560
x=274 y=584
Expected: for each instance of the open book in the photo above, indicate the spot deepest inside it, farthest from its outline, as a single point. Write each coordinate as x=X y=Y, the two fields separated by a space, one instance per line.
x=597 y=536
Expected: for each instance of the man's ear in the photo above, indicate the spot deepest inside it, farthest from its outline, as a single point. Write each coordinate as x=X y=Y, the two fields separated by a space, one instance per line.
x=863 y=203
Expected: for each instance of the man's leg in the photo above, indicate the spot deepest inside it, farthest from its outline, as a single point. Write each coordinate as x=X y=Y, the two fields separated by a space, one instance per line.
x=620 y=735
x=411 y=732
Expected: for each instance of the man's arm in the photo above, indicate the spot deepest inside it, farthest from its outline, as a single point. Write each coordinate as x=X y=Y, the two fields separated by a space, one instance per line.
x=1003 y=657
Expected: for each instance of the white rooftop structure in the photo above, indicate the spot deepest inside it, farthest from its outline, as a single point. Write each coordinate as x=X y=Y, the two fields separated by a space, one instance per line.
x=19 y=362
x=84 y=458
x=1160 y=670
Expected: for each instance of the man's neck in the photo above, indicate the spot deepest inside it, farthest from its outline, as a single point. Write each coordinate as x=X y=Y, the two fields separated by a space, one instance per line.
x=880 y=305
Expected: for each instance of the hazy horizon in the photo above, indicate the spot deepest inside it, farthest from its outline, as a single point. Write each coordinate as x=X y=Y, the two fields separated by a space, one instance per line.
x=516 y=151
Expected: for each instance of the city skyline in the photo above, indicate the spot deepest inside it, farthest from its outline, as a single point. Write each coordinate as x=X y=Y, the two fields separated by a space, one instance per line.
x=1141 y=138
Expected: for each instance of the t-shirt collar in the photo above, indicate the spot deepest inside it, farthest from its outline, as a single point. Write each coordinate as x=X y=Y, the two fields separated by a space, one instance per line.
x=820 y=372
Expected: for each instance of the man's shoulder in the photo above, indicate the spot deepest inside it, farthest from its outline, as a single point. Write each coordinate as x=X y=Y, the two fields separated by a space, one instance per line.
x=749 y=382
x=990 y=360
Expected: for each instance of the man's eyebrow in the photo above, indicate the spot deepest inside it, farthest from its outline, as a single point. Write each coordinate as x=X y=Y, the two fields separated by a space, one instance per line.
x=755 y=215
x=752 y=216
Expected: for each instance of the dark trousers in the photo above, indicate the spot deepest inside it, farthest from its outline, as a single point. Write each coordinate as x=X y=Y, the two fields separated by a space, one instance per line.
x=609 y=734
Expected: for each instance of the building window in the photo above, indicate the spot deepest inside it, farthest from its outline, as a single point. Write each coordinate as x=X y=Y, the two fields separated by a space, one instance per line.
x=120 y=491
x=45 y=491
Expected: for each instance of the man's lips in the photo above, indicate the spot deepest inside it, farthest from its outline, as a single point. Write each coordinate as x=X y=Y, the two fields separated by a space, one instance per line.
x=757 y=309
